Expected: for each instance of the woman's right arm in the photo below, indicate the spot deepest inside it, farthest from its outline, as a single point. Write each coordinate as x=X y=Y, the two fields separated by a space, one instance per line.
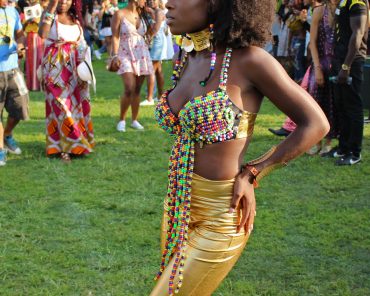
x=316 y=18
x=47 y=19
x=116 y=25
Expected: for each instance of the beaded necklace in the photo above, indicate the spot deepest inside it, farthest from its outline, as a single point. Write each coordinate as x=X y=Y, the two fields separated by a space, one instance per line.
x=181 y=163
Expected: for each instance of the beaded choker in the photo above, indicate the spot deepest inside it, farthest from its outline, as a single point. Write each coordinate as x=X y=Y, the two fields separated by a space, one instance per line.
x=200 y=41
x=197 y=41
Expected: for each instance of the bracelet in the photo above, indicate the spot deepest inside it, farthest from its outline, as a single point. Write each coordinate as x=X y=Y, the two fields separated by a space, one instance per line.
x=49 y=15
x=264 y=172
x=253 y=172
x=46 y=21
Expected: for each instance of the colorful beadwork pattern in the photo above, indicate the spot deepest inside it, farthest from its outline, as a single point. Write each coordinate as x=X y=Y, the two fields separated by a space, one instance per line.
x=205 y=119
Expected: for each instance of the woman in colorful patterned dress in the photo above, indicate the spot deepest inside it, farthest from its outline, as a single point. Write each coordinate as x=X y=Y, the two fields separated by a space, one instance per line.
x=219 y=84
x=130 y=52
x=322 y=51
x=69 y=128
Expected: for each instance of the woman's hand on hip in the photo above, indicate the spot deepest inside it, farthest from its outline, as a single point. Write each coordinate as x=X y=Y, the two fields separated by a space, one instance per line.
x=244 y=199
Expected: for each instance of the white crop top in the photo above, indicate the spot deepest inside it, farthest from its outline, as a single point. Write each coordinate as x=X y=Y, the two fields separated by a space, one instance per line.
x=65 y=32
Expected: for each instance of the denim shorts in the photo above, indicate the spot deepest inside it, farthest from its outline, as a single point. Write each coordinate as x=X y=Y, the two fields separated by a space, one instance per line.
x=14 y=94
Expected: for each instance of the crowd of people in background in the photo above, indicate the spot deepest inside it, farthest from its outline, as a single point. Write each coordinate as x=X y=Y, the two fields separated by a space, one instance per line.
x=321 y=44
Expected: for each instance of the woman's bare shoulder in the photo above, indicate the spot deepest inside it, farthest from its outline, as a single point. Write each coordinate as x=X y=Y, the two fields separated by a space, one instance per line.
x=253 y=57
x=319 y=11
x=120 y=13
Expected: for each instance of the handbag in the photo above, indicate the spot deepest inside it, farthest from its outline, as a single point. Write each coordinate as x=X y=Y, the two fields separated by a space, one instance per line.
x=294 y=23
x=113 y=67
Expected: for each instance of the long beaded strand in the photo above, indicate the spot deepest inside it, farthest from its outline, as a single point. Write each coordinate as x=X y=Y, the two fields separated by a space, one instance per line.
x=181 y=165
x=213 y=58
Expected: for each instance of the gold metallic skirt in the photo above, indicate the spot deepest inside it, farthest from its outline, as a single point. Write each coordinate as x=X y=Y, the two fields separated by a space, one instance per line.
x=214 y=245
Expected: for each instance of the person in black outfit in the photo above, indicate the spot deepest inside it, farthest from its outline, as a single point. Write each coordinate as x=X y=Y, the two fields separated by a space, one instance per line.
x=350 y=45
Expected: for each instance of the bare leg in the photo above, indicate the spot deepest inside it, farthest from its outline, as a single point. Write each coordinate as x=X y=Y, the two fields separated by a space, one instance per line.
x=135 y=103
x=1 y=136
x=108 y=43
x=129 y=83
x=10 y=125
x=150 y=84
x=160 y=78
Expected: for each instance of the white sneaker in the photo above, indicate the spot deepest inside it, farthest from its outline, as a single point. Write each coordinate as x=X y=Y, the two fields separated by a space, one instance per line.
x=97 y=54
x=136 y=125
x=147 y=103
x=121 y=126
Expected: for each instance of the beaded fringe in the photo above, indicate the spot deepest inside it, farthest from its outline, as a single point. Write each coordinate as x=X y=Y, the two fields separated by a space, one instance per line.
x=181 y=166
x=181 y=163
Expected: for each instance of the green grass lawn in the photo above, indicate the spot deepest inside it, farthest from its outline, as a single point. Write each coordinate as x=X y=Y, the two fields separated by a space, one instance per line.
x=92 y=227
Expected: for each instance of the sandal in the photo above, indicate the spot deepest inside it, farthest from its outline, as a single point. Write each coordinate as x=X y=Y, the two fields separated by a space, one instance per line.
x=314 y=150
x=65 y=157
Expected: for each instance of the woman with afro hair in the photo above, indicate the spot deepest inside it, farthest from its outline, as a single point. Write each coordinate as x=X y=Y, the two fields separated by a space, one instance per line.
x=220 y=78
x=68 y=123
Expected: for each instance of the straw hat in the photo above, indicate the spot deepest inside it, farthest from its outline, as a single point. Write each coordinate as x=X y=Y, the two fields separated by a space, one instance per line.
x=85 y=73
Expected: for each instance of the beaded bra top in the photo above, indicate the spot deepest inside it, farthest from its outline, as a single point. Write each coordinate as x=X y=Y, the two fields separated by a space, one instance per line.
x=206 y=119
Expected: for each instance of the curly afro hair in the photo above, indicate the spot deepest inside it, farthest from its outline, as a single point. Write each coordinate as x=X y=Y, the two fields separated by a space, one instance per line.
x=241 y=23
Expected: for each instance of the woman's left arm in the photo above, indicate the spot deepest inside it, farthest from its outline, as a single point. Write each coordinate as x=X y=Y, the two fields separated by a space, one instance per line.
x=270 y=79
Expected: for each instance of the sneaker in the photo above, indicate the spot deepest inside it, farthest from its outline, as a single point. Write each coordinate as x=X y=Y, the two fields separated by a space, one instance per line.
x=333 y=153
x=2 y=157
x=349 y=159
x=97 y=54
x=121 y=126
x=367 y=120
x=147 y=103
x=12 y=145
x=136 y=125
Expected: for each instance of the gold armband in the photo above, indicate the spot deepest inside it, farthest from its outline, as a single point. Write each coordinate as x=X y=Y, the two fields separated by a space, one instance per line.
x=264 y=172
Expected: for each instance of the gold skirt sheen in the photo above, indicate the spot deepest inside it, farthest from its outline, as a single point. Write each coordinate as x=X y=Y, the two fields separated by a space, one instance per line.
x=214 y=246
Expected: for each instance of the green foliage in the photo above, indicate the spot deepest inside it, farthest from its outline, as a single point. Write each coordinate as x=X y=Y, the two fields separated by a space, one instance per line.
x=92 y=227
